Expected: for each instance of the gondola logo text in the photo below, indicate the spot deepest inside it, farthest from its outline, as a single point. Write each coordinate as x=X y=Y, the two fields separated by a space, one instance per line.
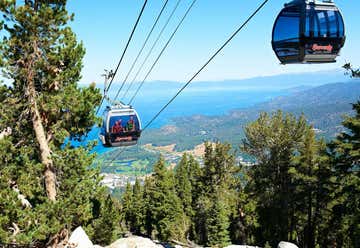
x=317 y=47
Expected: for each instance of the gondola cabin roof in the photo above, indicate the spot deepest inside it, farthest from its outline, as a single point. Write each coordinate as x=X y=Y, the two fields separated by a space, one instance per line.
x=310 y=2
x=119 y=111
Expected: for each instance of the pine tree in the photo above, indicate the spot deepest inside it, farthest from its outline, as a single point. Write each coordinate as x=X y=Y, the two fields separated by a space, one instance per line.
x=218 y=223
x=165 y=205
x=43 y=105
x=106 y=227
x=183 y=185
x=346 y=153
x=149 y=220
x=312 y=179
x=194 y=172
x=137 y=209
x=212 y=211
x=194 y=176
x=243 y=218
x=272 y=142
x=127 y=201
x=219 y=168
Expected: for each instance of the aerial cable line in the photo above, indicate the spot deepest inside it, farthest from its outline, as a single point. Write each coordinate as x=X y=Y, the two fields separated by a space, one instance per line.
x=162 y=51
x=122 y=56
x=207 y=62
x=116 y=155
x=152 y=48
x=127 y=44
x=143 y=46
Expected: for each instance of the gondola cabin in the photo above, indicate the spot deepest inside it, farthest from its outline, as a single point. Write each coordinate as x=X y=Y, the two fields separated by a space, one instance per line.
x=121 y=126
x=308 y=31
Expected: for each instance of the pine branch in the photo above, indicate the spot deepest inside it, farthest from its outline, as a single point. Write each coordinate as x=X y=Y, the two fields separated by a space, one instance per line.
x=354 y=73
x=60 y=240
x=189 y=245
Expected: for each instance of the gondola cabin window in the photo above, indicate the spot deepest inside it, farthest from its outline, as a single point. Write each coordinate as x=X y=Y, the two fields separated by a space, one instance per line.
x=123 y=124
x=121 y=127
x=286 y=33
x=288 y=25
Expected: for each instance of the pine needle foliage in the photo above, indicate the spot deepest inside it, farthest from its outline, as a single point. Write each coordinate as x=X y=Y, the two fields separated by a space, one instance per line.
x=42 y=103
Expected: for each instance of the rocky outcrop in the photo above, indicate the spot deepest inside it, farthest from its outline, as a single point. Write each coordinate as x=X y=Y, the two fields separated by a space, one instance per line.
x=241 y=246
x=284 y=244
x=134 y=242
x=79 y=239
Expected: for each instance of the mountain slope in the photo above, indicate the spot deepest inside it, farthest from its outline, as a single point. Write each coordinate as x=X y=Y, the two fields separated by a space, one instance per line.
x=323 y=106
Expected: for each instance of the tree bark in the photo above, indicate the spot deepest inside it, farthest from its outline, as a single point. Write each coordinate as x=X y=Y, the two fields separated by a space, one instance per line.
x=45 y=152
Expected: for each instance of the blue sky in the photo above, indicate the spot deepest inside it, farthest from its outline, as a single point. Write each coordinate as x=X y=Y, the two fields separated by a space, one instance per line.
x=104 y=27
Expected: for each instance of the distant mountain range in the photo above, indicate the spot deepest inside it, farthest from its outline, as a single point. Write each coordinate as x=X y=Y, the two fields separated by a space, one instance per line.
x=323 y=106
x=281 y=81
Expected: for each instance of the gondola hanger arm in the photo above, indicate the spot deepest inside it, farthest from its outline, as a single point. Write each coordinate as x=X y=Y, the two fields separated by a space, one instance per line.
x=107 y=76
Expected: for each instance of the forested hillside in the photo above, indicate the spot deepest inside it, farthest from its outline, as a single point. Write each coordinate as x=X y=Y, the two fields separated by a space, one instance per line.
x=323 y=107
x=300 y=190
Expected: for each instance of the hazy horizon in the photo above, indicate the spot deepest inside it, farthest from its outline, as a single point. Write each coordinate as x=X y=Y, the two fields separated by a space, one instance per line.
x=337 y=71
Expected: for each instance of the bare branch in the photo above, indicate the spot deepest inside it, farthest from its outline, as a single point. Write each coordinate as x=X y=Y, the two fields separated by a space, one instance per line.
x=16 y=229
x=5 y=133
x=24 y=202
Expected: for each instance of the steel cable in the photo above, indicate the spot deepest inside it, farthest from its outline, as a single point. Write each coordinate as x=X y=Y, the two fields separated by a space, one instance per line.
x=207 y=62
x=143 y=46
x=123 y=54
x=162 y=51
x=152 y=48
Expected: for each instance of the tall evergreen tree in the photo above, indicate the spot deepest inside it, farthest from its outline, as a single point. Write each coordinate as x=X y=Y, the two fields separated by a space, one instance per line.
x=194 y=172
x=165 y=205
x=218 y=223
x=219 y=168
x=43 y=105
x=183 y=185
x=148 y=217
x=217 y=184
x=346 y=153
x=137 y=209
x=127 y=202
x=106 y=227
x=187 y=177
x=313 y=189
x=272 y=142
x=194 y=175
x=243 y=218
